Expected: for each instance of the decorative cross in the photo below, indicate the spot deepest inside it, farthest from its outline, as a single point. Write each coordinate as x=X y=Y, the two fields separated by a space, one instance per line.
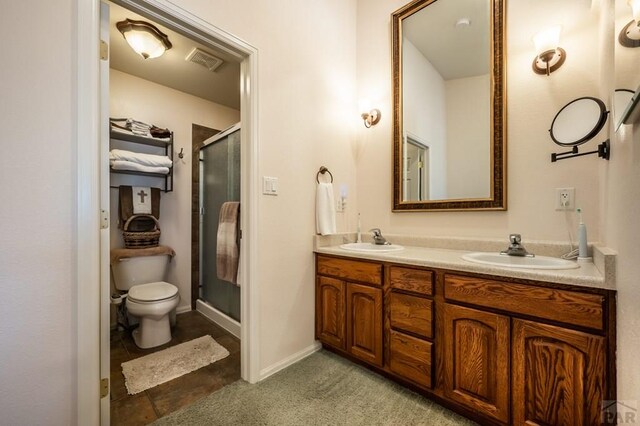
x=142 y=194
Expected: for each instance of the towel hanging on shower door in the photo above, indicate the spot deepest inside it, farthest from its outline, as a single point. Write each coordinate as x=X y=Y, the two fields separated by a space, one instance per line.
x=227 y=246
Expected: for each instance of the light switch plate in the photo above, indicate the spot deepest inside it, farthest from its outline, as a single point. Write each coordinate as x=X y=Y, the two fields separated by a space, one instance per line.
x=269 y=185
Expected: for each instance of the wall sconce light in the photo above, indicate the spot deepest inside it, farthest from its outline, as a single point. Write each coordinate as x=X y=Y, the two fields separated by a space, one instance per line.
x=144 y=38
x=550 y=55
x=630 y=34
x=371 y=118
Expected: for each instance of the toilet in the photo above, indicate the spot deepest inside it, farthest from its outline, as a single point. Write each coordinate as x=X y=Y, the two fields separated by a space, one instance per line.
x=148 y=297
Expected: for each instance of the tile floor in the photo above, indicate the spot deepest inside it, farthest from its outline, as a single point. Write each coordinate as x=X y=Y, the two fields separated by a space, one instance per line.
x=147 y=406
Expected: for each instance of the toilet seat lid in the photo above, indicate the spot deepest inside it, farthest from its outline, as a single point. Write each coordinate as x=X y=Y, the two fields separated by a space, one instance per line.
x=152 y=292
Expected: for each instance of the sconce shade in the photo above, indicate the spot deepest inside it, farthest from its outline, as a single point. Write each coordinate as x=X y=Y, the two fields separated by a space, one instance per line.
x=144 y=38
x=550 y=56
x=630 y=34
x=548 y=39
x=635 y=9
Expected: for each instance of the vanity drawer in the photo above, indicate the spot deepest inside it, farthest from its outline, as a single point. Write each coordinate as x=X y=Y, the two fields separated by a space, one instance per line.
x=410 y=358
x=366 y=272
x=565 y=306
x=412 y=314
x=409 y=279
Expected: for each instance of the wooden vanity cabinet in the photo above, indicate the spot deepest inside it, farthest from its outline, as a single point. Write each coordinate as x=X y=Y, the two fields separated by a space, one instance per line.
x=364 y=323
x=349 y=307
x=500 y=351
x=558 y=375
x=476 y=360
x=330 y=311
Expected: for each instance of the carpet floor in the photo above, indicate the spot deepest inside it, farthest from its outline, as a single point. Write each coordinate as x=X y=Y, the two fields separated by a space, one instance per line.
x=322 y=389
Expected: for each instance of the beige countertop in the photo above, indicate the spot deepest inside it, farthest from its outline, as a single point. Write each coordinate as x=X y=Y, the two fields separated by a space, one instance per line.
x=587 y=275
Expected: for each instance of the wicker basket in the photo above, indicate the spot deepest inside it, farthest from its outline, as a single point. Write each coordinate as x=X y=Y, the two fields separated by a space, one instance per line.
x=141 y=239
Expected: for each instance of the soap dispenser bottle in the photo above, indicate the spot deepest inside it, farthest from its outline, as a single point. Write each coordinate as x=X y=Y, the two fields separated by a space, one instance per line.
x=583 y=252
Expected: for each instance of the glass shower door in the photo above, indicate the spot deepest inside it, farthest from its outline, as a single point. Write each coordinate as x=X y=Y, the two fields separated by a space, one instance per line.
x=220 y=182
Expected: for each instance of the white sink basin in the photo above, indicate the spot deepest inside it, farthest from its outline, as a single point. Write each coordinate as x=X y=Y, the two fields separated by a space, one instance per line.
x=537 y=262
x=370 y=247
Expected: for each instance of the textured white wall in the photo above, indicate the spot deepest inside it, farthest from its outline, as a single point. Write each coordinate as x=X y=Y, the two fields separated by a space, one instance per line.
x=37 y=226
x=532 y=102
x=307 y=118
x=143 y=100
x=621 y=224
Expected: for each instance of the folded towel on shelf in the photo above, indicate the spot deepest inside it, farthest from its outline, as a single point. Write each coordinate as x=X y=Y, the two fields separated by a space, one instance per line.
x=135 y=167
x=140 y=158
x=227 y=248
x=325 y=209
x=161 y=135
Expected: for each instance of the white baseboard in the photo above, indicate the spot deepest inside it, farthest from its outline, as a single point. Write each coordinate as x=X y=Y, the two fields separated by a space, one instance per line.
x=183 y=309
x=229 y=324
x=298 y=356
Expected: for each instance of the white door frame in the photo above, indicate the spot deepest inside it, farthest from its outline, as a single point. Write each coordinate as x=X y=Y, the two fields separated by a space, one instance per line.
x=89 y=187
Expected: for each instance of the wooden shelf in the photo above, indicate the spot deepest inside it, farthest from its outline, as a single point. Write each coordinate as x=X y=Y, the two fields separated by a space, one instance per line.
x=133 y=172
x=121 y=136
x=166 y=144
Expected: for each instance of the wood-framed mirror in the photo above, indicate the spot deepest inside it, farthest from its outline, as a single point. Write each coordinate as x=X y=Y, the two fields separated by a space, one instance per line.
x=449 y=112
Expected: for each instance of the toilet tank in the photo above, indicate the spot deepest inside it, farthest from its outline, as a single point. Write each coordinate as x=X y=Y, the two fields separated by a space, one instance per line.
x=139 y=270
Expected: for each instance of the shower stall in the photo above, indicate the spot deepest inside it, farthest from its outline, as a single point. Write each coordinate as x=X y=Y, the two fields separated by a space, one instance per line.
x=219 y=183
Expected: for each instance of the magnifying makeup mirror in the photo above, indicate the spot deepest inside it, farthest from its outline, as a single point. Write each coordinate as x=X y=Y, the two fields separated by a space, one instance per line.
x=578 y=121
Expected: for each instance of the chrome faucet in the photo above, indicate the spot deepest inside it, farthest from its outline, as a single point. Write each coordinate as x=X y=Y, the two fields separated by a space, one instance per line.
x=516 y=248
x=378 y=239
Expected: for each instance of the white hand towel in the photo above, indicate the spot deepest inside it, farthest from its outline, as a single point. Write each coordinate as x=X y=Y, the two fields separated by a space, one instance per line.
x=325 y=209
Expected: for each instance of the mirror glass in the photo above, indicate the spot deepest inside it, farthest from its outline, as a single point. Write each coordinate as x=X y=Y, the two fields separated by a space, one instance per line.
x=621 y=100
x=448 y=85
x=578 y=121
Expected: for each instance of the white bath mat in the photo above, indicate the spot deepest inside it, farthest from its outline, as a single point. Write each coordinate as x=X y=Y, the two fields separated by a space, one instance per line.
x=151 y=370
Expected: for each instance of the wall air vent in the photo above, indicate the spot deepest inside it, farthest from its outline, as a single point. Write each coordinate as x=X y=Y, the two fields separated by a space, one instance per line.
x=207 y=60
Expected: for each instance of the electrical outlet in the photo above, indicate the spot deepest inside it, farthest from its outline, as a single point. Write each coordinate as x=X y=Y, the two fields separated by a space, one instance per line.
x=565 y=198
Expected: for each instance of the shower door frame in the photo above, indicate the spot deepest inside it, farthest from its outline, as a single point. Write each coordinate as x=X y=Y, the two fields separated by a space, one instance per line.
x=202 y=305
x=91 y=289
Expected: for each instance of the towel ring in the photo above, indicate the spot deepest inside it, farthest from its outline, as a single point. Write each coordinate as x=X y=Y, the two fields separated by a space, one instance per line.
x=322 y=171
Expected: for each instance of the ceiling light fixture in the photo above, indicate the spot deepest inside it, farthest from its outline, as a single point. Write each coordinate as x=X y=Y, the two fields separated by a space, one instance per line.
x=144 y=38
x=550 y=56
x=630 y=35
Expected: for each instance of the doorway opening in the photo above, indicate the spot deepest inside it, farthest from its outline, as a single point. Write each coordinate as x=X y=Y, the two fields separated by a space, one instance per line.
x=127 y=93
x=416 y=181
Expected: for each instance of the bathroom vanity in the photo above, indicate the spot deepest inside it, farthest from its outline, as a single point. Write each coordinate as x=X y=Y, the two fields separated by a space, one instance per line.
x=497 y=348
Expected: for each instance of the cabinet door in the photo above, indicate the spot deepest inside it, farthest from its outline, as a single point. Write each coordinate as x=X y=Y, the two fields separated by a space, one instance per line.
x=558 y=375
x=476 y=360
x=330 y=311
x=364 y=323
